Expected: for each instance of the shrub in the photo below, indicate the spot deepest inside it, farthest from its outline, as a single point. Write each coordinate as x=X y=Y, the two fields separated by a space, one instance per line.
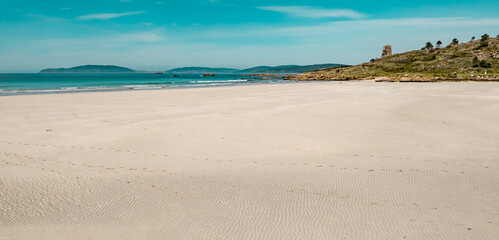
x=429 y=57
x=475 y=62
x=458 y=55
x=485 y=64
x=485 y=37
x=428 y=46
x=439 y=44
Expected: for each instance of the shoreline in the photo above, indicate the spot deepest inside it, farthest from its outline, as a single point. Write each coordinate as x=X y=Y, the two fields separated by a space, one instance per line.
x=284 y=81
x=397 y=78
x=68 y=90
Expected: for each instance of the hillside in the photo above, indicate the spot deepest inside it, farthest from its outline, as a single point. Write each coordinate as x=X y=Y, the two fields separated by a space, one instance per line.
x=90 y=69
x=466 y=61
x=289 y=68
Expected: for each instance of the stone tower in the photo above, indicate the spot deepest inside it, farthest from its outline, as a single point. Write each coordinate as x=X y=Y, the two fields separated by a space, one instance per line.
x=387 y=51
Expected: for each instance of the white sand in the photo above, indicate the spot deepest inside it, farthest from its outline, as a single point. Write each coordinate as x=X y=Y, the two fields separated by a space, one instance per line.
x=356 y=160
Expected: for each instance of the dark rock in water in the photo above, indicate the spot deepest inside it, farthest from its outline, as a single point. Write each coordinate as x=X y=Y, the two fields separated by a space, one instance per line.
x=201 y=70
x=387 y=51
x=264 y=76
x=209 y=75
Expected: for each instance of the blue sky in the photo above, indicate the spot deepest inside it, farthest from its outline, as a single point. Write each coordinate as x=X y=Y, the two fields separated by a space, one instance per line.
x=163 y=34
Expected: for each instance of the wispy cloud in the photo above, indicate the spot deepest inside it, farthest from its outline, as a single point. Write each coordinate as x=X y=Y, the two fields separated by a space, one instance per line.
x=104 y=16
x=332 y=29
x=147 y=37
x=312 y=12
x=44 y=18
x=427 y=22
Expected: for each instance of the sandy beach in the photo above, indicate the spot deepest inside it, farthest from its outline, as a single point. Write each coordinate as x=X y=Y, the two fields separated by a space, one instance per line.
x=315 y=160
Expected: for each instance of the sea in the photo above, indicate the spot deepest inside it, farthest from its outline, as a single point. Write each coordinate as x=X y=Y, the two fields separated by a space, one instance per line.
x=44 y=83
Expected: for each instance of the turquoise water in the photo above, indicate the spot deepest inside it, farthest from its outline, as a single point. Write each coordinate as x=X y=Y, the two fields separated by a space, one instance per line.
x=16 y=84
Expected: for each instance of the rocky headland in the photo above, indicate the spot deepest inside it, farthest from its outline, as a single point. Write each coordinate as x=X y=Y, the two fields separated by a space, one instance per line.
x=476 y=60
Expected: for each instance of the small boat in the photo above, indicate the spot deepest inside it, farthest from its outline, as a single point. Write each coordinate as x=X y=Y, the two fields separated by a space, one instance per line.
x=209 y=75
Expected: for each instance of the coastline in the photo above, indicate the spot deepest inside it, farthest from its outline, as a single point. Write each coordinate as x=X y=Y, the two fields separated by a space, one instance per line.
x=28 y=84
x=391 y=78
x=476 y=60
x=317 y=160
x=127 y=89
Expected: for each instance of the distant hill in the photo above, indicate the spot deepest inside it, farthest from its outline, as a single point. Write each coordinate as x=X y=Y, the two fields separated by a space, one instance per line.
x=260 y=69
x=193 y=70
x=465 y=61
x=290 y=68
x=90 y=69
x=196 y=70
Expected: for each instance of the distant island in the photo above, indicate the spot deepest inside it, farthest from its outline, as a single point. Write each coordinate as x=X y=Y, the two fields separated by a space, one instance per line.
x=193 y=70
x=200 y=70
x=90 y=69
x=291 y=68
x=476 y=60
x=260 y=69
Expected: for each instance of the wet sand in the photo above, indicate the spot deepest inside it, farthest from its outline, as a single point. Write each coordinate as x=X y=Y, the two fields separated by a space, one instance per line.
x=319 y=160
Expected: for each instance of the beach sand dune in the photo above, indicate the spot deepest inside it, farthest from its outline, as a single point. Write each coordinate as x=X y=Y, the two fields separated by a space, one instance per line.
x=319 y=160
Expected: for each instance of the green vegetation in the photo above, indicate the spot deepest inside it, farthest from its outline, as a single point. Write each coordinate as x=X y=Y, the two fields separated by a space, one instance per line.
x=439 y=44
x=485 y=37
x=428 y=46
x=466 y=61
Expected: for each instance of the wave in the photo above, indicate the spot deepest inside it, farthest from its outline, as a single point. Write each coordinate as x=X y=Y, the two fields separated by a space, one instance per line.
x=218 y=81
x=141 y=87
x=66 y=89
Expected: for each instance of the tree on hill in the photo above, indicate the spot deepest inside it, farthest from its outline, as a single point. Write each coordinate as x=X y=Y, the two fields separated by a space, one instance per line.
x=485 y=37
x=454 y=42
x=428 y=46
x=483 y=41
x=439 y=44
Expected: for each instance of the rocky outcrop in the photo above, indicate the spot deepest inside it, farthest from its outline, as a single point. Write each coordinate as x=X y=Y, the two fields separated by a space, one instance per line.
x=387 y=51
x=264 y=76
